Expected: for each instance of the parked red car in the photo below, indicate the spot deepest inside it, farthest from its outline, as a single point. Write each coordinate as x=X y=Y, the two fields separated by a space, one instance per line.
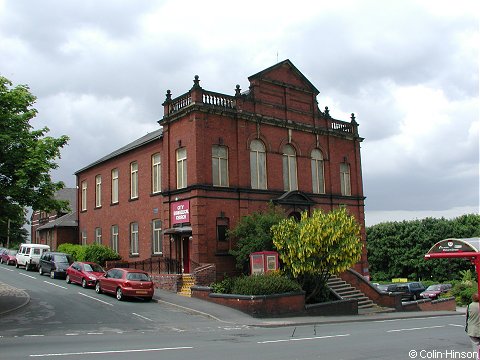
x=434 y=291
x=84 y=273
x=126 y=282
x=8 y=257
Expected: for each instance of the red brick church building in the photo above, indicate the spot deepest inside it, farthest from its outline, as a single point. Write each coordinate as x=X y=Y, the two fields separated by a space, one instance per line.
x=215 y=158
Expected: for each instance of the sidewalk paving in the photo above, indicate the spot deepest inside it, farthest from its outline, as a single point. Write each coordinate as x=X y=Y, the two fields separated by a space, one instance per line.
x=12 y=299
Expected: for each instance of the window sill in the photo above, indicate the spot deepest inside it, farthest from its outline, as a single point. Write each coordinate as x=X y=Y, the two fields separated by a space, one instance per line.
x=133 y=199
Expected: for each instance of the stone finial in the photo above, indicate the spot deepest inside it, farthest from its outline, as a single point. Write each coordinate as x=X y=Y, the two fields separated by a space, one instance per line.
x=327 y=112
x=168 y=96
x=237 y=90
x=196 y=82
x=354 y=122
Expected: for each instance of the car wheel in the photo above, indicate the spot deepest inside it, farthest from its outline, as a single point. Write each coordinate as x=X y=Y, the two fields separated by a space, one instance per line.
x=67 y=279
x=27 y=267
x=40 y=271
x=1 y=261
x=84 y=283
x=16 y=265
x=120 y=296
x=415 y=297
x=98 y=289
x=52 y=274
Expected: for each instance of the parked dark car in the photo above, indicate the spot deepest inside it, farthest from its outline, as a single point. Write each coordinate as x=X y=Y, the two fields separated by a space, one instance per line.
x=8 y=257
x=411 y=290
x=54 y=263
x=126 y=282
x=434 y=291
x=387 y=288
x=84 y=273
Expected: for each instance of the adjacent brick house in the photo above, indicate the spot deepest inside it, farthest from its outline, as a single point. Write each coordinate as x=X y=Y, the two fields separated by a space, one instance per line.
x=55 y=228
x=174 y=192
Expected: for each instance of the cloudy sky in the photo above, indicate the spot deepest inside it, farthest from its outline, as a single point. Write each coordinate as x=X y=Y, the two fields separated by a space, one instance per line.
x=407 y=69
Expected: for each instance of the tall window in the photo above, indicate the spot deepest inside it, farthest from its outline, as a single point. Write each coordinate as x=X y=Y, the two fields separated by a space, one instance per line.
x=134 y=238
x=156 y=173
x=134 y=180
x=318 y=179
x=84 y=195
x=84 y=237
x=220 y=165
x=114 y=186
x=289 y=168
x=98 y=190
x=181 y=168
x=258 y=165
x=114 y=233
x=98 y=235
x=157 y=236
x=345 y=179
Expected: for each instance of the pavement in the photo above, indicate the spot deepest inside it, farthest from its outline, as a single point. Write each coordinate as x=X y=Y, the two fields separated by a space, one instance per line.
x=13 y=299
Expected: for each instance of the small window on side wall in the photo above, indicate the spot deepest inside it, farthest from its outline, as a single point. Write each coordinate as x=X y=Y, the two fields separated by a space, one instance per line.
x=223 y=245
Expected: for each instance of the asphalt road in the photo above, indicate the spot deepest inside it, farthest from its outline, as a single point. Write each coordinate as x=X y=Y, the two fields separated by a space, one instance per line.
x=65 y=321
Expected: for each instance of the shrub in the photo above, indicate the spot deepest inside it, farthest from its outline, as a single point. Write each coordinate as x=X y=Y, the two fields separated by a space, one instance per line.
x=100 y=254
x=267 y=284
x=77 y=251
x=462 y=291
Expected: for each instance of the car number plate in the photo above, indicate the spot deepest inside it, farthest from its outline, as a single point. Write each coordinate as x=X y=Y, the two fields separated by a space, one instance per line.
x=141 y=292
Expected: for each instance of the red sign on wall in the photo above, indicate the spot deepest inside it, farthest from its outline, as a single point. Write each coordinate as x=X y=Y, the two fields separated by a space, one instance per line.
x=180 y=211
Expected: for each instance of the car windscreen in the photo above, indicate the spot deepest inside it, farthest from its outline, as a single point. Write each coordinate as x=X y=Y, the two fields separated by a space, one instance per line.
x=62 y=259
x=12 y=252
x=92 y=268
x=434 y=288
x=138 y=277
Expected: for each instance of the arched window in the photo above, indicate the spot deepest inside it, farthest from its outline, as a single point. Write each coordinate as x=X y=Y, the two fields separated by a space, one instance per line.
x=289 y=168
x=258 y=165
x=318 y=179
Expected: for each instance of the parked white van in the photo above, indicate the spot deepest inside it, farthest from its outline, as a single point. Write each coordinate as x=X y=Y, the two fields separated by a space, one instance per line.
x=29 y=255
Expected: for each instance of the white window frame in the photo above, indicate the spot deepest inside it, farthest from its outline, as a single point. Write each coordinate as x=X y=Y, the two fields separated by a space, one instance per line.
x=98 y=191
x=157 y=236
x=133 y=180
x=114 y=237
x=98 y=235
x=345 y=181
x=114 y=198
x=258 y=165
x=84 y=237
x=181 y=156
x=134 y=238
x=220 y=165
x=290 y=181
x=84 y=195
x=318 y=172
x=156 y=173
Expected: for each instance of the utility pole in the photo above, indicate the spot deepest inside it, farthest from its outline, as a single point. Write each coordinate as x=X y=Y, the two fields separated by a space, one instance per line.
x=8 y=233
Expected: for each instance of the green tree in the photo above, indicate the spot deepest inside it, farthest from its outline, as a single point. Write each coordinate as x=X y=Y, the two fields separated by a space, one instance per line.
x=317 y=246
x=397 y=249
x=26 y=156
x=252 y=233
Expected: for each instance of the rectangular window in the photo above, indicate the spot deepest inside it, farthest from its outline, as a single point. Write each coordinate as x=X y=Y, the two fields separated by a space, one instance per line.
x=98 y=236
x=98 y=191
x=84 y=195
x=157 y=236
x=258 y=165
x=114 y=186
x=134 y=238
x=223 y=245
x=114 y=233
x=219 y=165
x=84 y=237
x=134 y=180
x=345 y=179
x=181 y=168
x=156 y=173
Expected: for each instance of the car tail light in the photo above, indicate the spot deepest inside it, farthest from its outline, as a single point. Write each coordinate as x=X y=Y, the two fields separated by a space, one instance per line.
x=127 y=284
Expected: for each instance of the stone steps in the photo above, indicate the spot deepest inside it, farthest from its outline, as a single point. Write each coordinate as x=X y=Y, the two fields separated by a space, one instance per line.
x=347 y=291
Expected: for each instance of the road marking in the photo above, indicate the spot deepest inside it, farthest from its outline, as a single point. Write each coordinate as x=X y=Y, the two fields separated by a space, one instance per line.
x=111 y=351
x=94 y=333
x=417 y=328
x=30 y=276
x=50 y=283
x=143 y=317
x=457 y=325
x=74 y=334
x=91 y=297
x=302 y=339
x=33 y=335
x=4 y=268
